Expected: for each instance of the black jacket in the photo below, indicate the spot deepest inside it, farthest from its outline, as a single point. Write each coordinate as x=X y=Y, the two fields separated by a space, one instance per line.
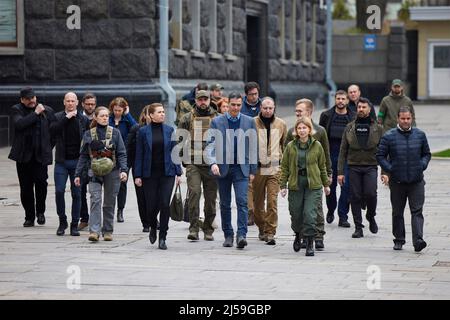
x=57 y=132
x=131 y=145
x=404 y=155
x=326 y=118
x=24 y=121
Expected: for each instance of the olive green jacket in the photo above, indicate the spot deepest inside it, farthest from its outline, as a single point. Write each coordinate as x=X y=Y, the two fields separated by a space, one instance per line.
x=315 y=166
x=389 y=107
x=352 y=153
x=320 y=134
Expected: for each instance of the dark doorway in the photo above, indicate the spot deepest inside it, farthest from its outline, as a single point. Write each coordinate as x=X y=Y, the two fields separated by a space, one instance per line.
x=256 y=62
x=412 y=38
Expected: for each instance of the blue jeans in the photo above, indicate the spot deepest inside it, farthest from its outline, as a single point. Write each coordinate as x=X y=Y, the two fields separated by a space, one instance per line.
x=343 y=205
x=236 y=179
x=61 y=173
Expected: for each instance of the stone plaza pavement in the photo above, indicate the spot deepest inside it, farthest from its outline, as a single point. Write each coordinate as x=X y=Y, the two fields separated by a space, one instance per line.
x=37 y=264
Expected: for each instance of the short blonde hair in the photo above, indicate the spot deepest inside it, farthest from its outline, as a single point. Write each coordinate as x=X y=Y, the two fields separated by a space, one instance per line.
x=308 y=103
x=307 y=122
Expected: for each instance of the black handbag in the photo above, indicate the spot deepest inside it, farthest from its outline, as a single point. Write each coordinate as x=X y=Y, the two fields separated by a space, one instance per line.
x=176 y=205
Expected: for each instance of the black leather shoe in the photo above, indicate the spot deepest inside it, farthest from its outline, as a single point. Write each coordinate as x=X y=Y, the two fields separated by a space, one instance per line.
x=152 y=235
x=420 y=245
x=120 y=215
x=296 y=245
x=228 y=242
x=358 y=233
x=162 y=244
x=241 y=242
x=74 y=229
x=398 y=246
x=344 y=224
x=62 y=227
x=41 y=219
x=330 y=217
x=145 y=229
x=28 y=223
x=319 y=245
x=373 y=227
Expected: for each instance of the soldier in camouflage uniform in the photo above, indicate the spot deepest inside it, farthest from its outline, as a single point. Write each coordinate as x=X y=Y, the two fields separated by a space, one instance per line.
x=187 y=102
x=197 y=122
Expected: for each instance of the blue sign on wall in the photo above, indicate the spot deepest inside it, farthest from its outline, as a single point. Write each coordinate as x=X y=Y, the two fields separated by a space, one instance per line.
x=370 y=42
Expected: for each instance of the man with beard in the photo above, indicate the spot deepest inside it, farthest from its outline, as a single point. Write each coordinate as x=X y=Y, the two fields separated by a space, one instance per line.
x=32 y=151
x=334 y=121
x=251 y=106
x=197 y=122
x=358 y=150
x=391 y=104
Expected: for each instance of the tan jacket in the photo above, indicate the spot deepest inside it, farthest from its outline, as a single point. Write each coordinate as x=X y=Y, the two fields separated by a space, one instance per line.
x=269 y=156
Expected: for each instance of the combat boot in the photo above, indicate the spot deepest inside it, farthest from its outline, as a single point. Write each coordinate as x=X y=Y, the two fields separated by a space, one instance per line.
x=309 y=247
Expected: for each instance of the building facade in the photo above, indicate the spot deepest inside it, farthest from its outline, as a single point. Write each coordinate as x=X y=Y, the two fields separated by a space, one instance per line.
x=110 y=47
x=432 y=22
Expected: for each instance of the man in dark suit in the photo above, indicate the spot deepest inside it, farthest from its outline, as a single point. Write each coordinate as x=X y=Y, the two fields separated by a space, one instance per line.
x=32 y=151
x=232 y=154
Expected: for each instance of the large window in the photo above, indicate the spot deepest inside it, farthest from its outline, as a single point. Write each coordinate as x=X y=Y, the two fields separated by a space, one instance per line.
x=11 y=27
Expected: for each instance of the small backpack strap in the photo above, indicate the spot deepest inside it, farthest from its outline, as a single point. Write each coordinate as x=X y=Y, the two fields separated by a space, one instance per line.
x=94 y=136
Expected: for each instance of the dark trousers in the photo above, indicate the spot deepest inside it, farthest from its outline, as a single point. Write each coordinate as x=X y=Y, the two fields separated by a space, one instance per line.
x=415 y=193
x=84 y=212
x=157 y=196
x=122 y=196
x=343 y=205
x=142 y=205
x=62 y=172
x=363 y=186
x=33 y=187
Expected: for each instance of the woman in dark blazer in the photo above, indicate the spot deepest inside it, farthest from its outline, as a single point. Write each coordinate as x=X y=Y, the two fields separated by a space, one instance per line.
x=155 y=171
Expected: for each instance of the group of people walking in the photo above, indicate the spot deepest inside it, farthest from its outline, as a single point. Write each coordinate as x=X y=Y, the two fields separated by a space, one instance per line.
x=223 y=143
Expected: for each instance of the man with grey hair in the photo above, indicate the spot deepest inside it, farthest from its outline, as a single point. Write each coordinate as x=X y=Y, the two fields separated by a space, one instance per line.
x=272 y=134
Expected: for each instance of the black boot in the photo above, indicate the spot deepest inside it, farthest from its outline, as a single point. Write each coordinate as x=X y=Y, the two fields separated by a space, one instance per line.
x=152 y=235
x=74 y=229
x=62 y=227
x=358 y=233
x=309 y=247
x=303 y=244
x=162 y=242
x=297 y=244
x=120 y=215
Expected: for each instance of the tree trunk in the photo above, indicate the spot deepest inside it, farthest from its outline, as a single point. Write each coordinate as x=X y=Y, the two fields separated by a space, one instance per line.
x=362 y=15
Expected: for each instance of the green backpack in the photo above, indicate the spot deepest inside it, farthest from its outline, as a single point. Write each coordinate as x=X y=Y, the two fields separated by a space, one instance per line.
x=102 y=163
